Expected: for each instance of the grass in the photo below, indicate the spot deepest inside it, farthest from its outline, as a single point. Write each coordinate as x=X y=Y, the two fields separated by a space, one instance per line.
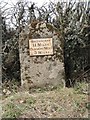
x=11 y=111
x=30 y=101
x=88 y=105
x=16 y=106
x=56 y=102
x=81 y=88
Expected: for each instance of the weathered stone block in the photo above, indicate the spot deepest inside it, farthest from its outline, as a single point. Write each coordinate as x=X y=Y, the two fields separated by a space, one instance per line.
x=40 y=70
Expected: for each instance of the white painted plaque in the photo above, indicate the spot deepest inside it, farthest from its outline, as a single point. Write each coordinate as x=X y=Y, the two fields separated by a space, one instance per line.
x=42 y=46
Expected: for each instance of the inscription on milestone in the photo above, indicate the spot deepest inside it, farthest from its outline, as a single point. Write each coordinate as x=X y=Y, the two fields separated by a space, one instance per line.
x=41 y=46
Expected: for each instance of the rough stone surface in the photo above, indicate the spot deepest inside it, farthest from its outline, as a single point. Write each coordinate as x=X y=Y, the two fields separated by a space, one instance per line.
x=40 y=70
